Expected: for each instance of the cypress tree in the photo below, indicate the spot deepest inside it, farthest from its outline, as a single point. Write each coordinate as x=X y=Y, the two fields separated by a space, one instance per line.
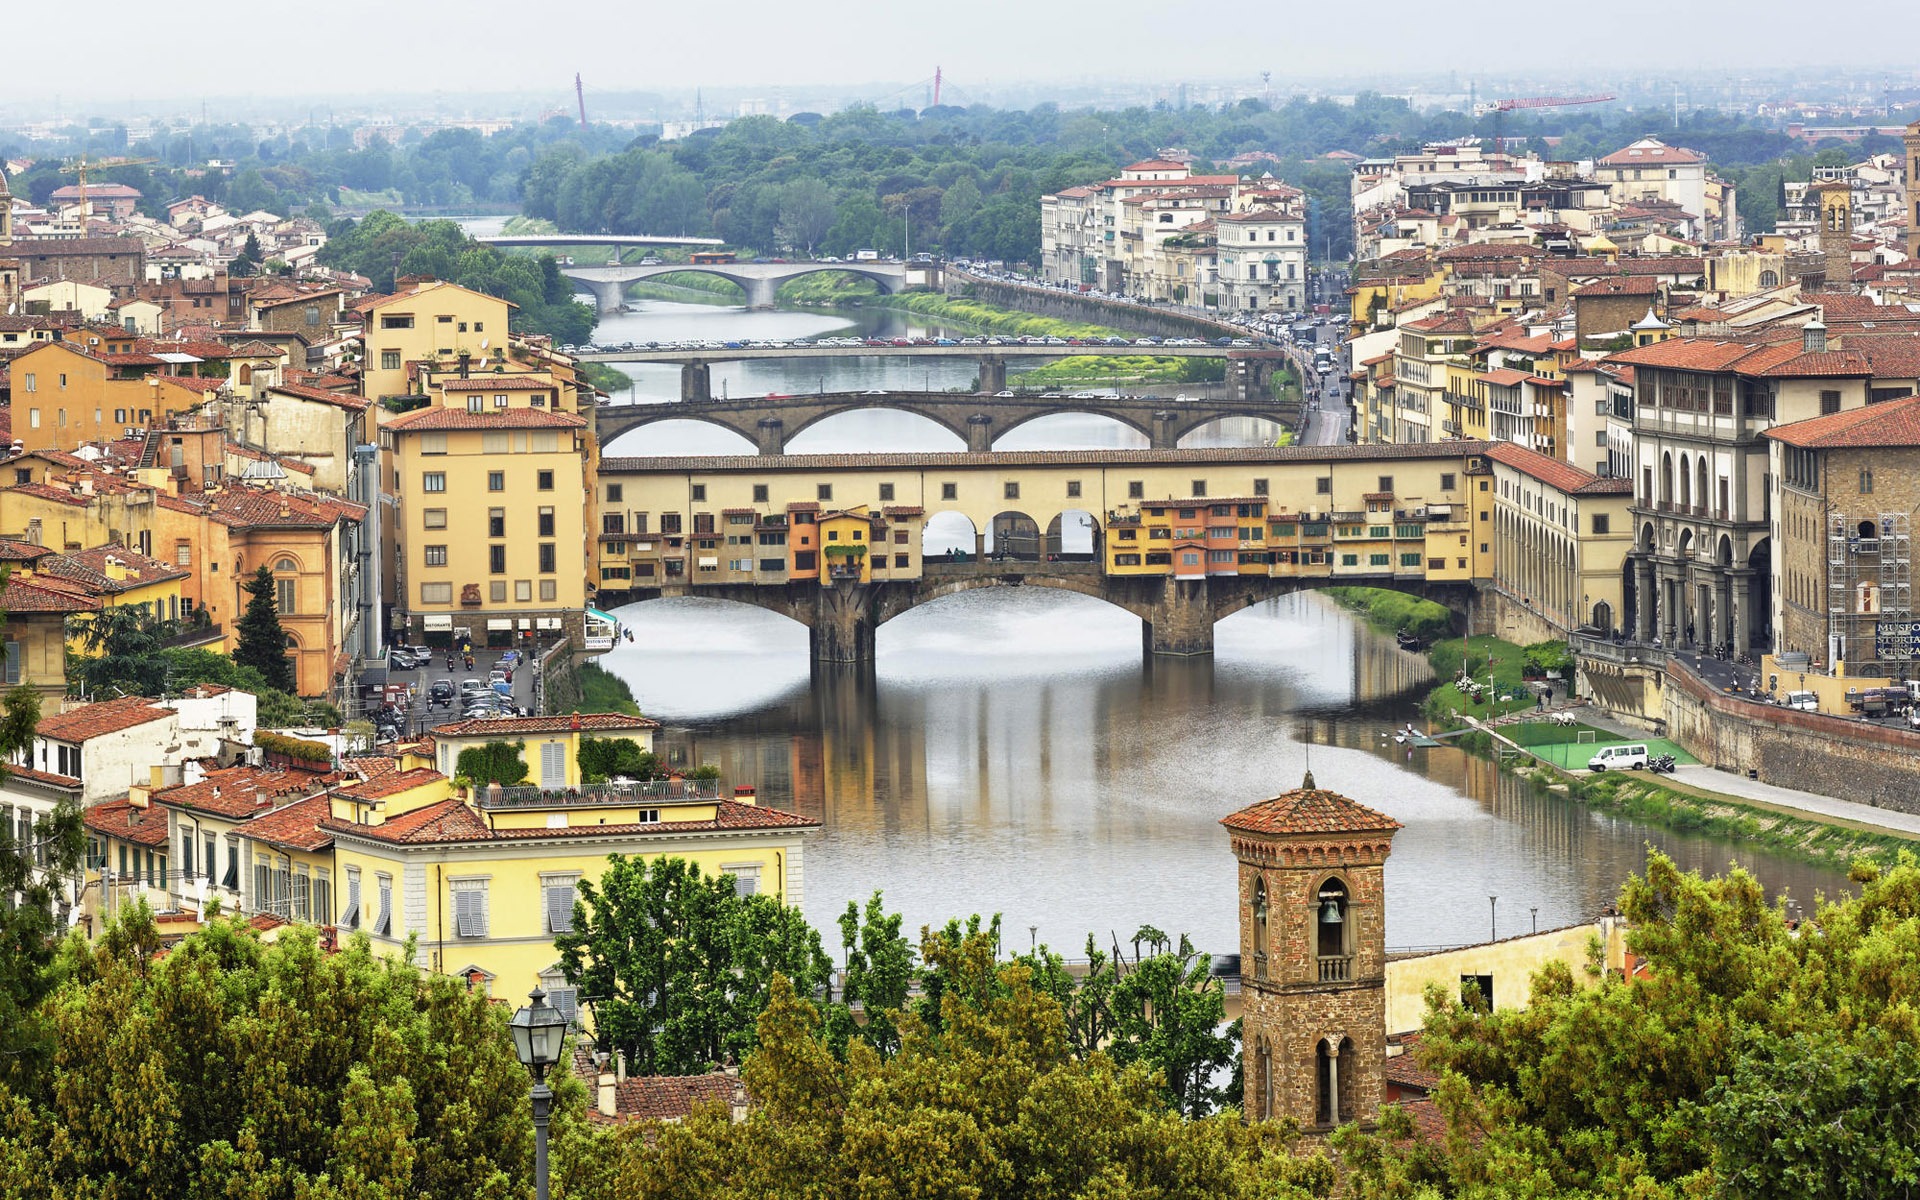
x=263 y=644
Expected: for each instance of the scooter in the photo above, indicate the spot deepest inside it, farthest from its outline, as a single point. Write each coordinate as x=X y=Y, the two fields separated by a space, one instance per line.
x=1661 y=764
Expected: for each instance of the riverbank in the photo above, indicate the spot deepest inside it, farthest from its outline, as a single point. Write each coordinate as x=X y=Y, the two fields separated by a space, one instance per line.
x=1500 y=664
x=1081 y=370
x=1822 y=838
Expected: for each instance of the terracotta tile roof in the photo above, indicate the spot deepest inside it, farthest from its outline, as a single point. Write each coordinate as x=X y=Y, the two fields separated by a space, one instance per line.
x=1621 y=285
x=239 y=792
x=1650 y=150
x=452 y=821
x=1309 y=810
x=447 y=821
x=586 y=722
x=1404 y=1069
x=14 y=550
x=390 y=783
x=45 y=778
x=242 y=507
x=43 y=594
x=1502 y=376
x=100 y=717
x=1445 y=323
x=498 y=418
x=192 y=383
x=673 y=1097
x=120 y=819
x=1893 y=423
x=1554 y=473
x=1626 y=264
x=301 y=391
x=295 y=826
x=91 y=568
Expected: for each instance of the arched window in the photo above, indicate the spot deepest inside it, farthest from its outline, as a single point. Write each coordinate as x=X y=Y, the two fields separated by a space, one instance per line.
x=1769 y=279
x=286 y=585
x=1868 y=529
x=1259 y=928
x=1263 y=1081
x=1335 y=1095
x=246 y=374
x=1331 y=938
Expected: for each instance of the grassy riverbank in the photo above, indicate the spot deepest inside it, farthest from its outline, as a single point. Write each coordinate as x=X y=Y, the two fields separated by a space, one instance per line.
x=603 y=691
x=1085 y=370
x=1396 y=612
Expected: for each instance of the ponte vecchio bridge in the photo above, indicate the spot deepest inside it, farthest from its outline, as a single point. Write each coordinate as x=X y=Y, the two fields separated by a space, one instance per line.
x=844 y=543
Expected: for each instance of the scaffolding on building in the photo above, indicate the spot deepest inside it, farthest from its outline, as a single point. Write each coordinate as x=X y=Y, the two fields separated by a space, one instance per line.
x=1869 y=580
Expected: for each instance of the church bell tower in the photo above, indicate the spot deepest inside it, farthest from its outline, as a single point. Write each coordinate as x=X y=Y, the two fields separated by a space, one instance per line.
x=1313 y=961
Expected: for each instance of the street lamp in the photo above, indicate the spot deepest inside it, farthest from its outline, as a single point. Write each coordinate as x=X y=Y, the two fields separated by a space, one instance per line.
x=537 y=1030
x=1493 y=913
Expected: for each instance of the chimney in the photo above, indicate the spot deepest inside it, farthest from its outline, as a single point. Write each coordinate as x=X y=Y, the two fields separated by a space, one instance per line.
x=744 y=794
x=620 y=1065
x=465 y=359
x=1813 y=337
x=609 y=1096
x=575 y=723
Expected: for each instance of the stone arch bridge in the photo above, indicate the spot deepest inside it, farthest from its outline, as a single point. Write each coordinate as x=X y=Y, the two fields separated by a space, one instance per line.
x=1177 y=615
x=760 y=281
x=771 y=422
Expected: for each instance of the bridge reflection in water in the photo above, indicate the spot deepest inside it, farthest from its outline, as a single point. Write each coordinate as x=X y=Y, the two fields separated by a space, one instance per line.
x=1010 y=754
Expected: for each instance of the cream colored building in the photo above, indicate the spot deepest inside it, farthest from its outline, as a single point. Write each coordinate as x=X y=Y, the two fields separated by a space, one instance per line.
x=1561 y=538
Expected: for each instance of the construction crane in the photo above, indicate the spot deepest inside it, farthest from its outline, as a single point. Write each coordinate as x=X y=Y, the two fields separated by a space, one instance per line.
x=83 y=166
x=580 y=94
x=1500 y=108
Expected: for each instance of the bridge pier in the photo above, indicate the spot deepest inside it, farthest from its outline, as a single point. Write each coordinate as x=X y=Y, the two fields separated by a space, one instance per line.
x=1181 y=620
x=1250 y=379
x=1165 y=434
x=608 y=296
x=760 y=293
x=979 y=433
x=993 y=374
x=770 y=436
x=696 y=381
x=843 y=624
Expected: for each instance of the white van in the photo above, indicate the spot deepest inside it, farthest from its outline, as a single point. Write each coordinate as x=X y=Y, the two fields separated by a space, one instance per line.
x=1804 y=701
x=1619 y=758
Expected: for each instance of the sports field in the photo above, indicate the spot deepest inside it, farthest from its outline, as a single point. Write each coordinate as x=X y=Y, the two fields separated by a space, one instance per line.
x=1570 y=746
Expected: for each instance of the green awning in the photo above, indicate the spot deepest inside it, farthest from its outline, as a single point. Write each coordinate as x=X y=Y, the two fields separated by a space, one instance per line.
x=607 y=617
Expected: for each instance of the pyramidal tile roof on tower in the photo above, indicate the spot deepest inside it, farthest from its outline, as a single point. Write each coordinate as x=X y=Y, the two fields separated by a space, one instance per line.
x=1309 y=810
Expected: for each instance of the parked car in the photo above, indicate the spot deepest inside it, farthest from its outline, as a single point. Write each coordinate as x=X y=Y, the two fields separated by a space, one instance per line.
x=1632 y=756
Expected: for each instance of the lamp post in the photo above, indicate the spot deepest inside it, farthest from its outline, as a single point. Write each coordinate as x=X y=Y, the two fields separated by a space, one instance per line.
x=537 y=1031
x=1033 y=939
x=1493 y=915
x=1535 y=912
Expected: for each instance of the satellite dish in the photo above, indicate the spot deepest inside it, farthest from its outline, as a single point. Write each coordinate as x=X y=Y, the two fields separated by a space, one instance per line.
x=483 y=343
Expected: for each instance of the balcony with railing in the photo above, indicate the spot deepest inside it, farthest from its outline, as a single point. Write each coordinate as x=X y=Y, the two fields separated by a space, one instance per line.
x=653 y=791
x=1336 y=968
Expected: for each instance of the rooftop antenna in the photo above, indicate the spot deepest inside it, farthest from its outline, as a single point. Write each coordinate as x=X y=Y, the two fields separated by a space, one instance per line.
x=580 y=94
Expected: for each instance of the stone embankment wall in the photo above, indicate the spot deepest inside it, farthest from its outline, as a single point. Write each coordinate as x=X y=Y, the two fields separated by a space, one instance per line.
x=559 y=681
x=1071 y=306
x=1812 y=752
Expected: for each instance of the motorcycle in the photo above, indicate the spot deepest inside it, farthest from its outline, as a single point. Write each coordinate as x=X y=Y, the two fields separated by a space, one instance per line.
x=1661 y=764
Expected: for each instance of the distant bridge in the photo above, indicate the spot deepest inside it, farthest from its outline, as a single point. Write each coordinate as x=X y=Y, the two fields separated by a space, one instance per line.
x=594 y=239
x=771 y=422
x=760 y=281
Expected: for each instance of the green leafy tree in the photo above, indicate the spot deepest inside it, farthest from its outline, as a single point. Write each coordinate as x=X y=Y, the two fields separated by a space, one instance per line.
x=264 y=1070
x=493 y=762
x=263 y=643
x=247 y=262
x=125 y=645
x=879 y=976
x=806 y=214
x=679 y=964
x=991 y=1105
x=602 y=759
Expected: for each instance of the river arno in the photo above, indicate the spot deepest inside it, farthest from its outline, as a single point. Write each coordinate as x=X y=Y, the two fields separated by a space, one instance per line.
x=1013 y=752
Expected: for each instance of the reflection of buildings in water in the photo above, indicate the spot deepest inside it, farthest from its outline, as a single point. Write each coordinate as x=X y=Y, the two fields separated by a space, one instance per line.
x=1382 y=669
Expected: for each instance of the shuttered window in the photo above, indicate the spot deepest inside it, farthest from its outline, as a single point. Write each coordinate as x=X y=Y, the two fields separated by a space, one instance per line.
x=470 y=908
x=384 y=925
x=553 y=764
x=558 y=891
x=351 y=917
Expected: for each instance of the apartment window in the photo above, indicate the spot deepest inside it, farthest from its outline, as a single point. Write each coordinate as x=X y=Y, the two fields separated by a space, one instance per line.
x=1013 y=491
x=496 y=481
x=495 y=441
x=1073 y=489
x=759 y=493
x=1446 y=481
x=615 y=492
x=389 y=360
x=1136 y=489
x=900 y=560
x=1199 y=487
x=476 y=404
x=824 y=492
x=546 y=558
x=431 y=518
x=1323 y=487
x=1259 y=487
x=469 y=907
x=886 y=491
x=499 y=401
x=183 y=554
x=433 y=481
x=405 y=322
x=550 y=590
x=302 y=894
x=557 y=895
x=669 y=522
x=497 y=592
x=523 y=591
x=746 y=879
x=699 y=493
x=435 y=556
x=1386 y=484
x=32 y=385
x=383 y=918
x=350 y=916
x=546 y=522
x=544 y=481
x=436 y=593
x=1829 y=402
x=497 y=560
x=286 y=585
x=949 y=491
x=496 y=522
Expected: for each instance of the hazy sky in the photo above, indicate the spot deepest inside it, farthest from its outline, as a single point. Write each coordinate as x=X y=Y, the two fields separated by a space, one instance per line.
x=344 y=47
